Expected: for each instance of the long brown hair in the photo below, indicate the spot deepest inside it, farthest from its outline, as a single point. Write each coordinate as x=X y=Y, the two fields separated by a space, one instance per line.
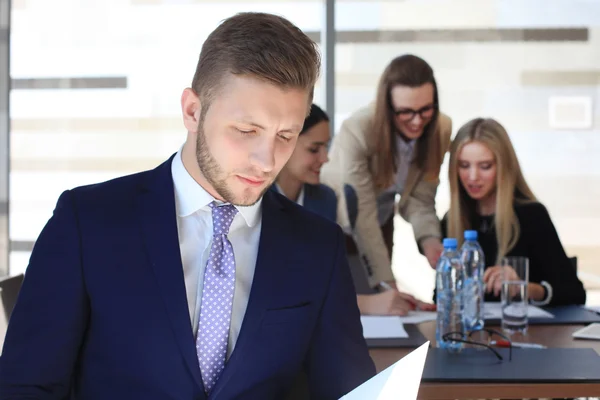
x=511 y=186
x=412 y=71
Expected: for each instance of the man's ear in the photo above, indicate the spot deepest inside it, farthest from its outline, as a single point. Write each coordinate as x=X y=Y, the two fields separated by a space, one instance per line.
x=190 y=109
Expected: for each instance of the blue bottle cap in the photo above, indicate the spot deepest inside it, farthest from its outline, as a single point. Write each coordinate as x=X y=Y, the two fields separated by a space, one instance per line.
x=470 y=235
x=450 y=243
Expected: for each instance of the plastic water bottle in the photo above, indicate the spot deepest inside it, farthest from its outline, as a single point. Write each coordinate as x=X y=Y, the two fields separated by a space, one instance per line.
x=473 y=261
x=449 y=286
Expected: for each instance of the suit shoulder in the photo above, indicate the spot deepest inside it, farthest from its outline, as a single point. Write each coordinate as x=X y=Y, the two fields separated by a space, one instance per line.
x=321 y=192
x=362 y=115
x=123 y=189
x=444 y=129
x=445 y=122
x=530 y=208
x=304 y=220
x=532 y=213
x=327 y=192
x=122 y=184
x=359 y=121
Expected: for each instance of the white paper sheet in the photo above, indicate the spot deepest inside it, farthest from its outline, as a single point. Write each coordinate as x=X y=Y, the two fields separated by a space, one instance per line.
x=592 y=331
x=493 y=310
x=399 y=381
x=417 y=317
x=382 y=327
x=594 y=308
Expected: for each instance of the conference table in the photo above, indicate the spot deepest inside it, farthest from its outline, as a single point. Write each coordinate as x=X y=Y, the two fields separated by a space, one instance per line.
x=558 y=336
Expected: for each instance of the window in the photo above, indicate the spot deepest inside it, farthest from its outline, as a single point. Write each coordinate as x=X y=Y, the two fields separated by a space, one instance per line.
x=96 y=92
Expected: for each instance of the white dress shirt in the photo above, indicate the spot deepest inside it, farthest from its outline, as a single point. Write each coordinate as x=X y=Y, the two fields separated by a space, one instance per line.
x=194 y=225
x=387 y=199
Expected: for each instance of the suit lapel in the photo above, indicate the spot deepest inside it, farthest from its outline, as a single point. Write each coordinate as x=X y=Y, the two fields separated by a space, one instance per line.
x=269 y=251
x=157 y=218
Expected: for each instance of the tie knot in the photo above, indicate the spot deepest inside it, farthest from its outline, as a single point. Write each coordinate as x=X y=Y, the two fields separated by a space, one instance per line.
x=222 y=217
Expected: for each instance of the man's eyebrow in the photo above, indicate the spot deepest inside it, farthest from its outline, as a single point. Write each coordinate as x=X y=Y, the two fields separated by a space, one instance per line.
x=293 y=129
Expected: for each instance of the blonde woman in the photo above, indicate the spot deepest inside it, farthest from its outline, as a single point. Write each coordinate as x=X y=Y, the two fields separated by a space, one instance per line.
x=489 y=194
x=394 y=147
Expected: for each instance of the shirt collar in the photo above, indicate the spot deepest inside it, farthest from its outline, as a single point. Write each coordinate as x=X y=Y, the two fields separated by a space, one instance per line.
x=191 y=197
x=301 y=197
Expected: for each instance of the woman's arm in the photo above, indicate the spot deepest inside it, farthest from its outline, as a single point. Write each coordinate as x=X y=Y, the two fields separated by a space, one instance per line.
x=385 y=303
x=495 y=275
x=419 y=209
x=390 y=302
x=349 y=163
x=548 y=256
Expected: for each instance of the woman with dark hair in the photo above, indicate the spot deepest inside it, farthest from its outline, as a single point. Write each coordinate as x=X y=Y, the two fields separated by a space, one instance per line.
x=299 y=181
x=394 y=147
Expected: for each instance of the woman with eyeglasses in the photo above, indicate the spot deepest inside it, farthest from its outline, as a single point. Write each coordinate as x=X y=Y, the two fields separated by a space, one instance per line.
x=394 y=146
x=488 y=193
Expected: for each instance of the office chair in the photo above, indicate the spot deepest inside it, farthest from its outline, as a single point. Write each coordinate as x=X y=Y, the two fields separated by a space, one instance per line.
x=9 y=291
x=573 y=262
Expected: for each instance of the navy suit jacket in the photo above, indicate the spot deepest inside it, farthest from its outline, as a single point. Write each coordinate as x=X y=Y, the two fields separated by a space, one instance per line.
x=320 y=199
x=102 y=313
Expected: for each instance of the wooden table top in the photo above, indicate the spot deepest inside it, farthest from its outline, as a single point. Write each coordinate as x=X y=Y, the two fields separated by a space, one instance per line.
x=549 y=335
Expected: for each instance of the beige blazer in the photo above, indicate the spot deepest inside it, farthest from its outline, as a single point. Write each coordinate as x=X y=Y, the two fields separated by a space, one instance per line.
x=351 y=158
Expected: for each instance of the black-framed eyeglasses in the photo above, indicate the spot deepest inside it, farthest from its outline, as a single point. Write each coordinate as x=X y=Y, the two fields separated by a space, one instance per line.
x=407 y=114
x=466 y=338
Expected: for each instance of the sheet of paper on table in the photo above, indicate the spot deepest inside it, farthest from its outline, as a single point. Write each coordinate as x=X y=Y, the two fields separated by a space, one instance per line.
x=382 y=327
x=399 y=381
x=417 y=317
x=493 y=310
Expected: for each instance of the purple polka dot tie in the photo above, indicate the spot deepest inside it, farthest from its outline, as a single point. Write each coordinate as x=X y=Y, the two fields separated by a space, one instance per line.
x=217 y=299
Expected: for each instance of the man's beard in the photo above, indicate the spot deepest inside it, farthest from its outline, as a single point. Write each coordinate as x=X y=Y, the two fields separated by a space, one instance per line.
x=215 y=176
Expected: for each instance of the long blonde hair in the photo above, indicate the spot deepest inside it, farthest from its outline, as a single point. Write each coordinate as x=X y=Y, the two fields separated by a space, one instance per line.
x=412 y=71
x=511 y=186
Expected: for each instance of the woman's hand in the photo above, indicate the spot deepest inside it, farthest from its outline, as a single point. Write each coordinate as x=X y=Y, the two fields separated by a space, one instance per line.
x=391 y=302
x=418 y=305
x=494 y=276
x=432 y=250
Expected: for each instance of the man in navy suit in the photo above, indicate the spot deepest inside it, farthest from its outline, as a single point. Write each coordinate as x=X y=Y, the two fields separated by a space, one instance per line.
x=191 y=281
